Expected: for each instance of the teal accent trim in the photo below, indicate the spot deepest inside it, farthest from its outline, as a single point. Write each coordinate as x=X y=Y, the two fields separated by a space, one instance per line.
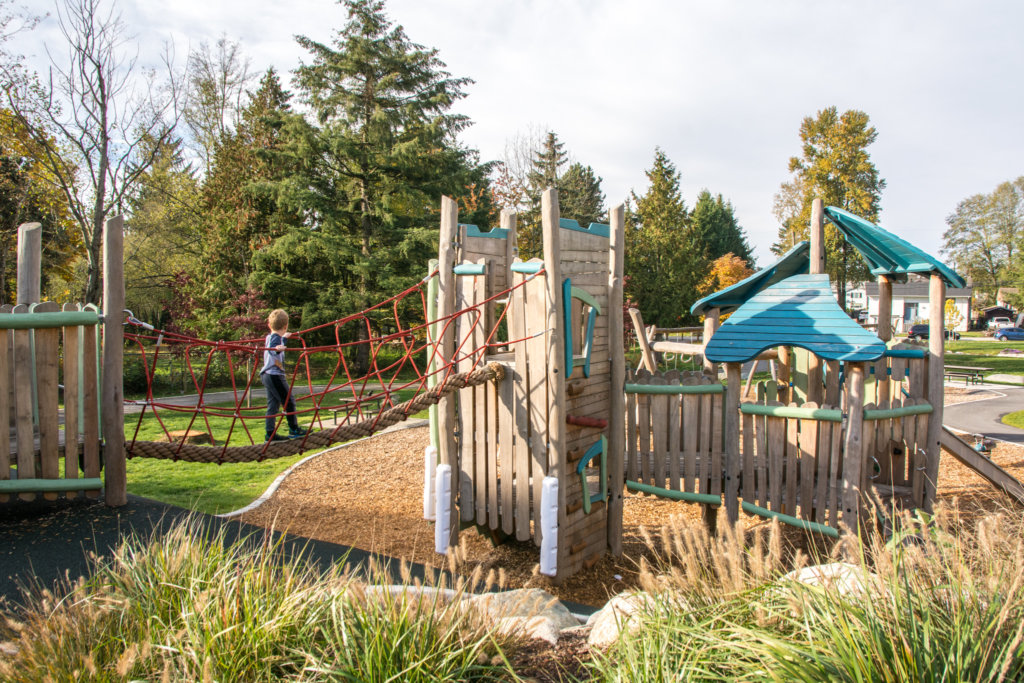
x=905 y=353
x=596 y=229
x=674 y=389
x=49 y=485
x=823 y=414
x=568 y=293
x=493 y=233
x=798 y=311
x=470 y=269
x=795 y=262
x=891 y=413
x=599 y=448
x=527 y=268
x=886 y=253
x=685 y=496
x=41 y=321
x=752 y=509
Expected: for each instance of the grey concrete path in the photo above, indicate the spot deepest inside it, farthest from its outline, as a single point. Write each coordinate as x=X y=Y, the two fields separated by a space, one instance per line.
x=985 y=416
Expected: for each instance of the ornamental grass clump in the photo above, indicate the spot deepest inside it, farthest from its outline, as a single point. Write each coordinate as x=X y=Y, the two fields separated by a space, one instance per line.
x=942 y=600
x=191 y=606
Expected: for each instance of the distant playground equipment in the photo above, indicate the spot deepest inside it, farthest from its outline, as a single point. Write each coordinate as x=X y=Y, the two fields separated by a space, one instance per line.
x=537 y=425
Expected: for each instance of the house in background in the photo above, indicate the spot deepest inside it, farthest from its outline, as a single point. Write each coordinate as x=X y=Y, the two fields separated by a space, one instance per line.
x=910 y=304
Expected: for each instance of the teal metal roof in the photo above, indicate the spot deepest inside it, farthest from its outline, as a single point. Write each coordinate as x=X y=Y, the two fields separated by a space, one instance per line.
x=794 y=262
x=886 y=253
x=798 y=311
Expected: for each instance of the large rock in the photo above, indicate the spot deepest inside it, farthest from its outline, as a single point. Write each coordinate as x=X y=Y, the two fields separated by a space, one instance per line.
x=527 y=612
x=620 y=613
x=842 y=577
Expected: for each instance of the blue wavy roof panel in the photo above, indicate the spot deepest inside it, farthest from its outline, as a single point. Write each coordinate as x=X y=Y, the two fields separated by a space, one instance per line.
x=794 y=262
x=797 y=311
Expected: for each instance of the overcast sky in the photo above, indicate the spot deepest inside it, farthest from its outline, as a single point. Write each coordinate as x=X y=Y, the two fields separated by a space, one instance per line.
x=721 y=86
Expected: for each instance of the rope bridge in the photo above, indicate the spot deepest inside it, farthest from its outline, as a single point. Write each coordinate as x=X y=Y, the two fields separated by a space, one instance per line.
x=346 y=391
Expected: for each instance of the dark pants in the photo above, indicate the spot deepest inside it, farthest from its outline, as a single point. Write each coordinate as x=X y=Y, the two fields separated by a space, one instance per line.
x=277 y=395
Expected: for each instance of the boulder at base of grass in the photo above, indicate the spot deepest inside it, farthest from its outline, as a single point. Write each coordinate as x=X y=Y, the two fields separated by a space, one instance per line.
x=618 y=613
x=844 y=578
x=530 y=612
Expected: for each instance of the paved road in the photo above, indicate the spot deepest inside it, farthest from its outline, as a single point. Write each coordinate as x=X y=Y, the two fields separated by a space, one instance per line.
x=985 y=416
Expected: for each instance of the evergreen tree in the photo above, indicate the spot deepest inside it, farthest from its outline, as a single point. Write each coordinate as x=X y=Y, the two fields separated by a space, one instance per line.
x=546 y=172
x=714 y=229
x=580 y=196
x=241 y=212
x=662 y=267
x=370 y=164
x=835 y=166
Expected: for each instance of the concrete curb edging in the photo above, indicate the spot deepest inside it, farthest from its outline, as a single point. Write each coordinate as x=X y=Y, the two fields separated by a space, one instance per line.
x=265 y=496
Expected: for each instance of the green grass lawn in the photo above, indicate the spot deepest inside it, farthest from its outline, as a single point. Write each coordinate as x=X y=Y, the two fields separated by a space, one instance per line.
x=984 y=354
x=1015 y=419
x=209 y=487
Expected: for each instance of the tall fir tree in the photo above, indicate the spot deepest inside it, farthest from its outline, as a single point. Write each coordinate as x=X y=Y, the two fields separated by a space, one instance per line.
x=372 y=160
x=546 y=171
x=835 y=165
x=580 y=196
x=714 y=229
x=662 y=268
x=242 y=214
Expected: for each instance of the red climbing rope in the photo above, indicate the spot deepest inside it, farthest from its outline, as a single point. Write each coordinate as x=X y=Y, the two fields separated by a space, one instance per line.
x=359 y=379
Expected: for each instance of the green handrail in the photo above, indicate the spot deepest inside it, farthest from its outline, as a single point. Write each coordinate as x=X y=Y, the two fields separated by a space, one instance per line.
x=49 y=485
x=674 y=389
x=685 y=496
x=826 y=414
x=599 y=448
x=890 y=413
x=470 y=269
x=40 y=321
x=752 y=509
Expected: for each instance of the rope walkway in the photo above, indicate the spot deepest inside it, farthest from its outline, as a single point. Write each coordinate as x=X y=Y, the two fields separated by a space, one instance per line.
x=322 y=438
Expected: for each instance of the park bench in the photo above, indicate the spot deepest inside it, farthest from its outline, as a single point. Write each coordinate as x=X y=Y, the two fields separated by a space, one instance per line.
x=969 y=374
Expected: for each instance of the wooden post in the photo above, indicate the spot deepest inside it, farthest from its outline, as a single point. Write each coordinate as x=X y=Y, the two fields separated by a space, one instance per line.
x=30 y=255
x=785 y=372
x=509 y=221
x=116 y=477
x=732 y=440
x=853 y=458
x=936 y=362
x=815 y=377
x=884 y=308
x=617 y=408
x=446 y=306
x=710 y=327
x=557 y=455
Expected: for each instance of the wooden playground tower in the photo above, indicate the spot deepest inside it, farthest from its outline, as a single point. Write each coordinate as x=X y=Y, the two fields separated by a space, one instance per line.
x=852 y=426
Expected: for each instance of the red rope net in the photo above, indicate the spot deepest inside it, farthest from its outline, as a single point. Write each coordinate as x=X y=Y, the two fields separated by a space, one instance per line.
x=328 y=391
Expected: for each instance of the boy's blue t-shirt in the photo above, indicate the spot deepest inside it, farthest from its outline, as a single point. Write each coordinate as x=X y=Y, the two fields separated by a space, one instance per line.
x=270 y=356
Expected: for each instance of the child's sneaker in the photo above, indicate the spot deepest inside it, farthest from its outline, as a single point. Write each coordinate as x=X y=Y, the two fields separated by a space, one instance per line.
x=296 y=433
x=276 y=437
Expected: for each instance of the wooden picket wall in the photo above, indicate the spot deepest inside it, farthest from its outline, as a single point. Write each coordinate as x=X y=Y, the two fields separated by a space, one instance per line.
x=32 y=366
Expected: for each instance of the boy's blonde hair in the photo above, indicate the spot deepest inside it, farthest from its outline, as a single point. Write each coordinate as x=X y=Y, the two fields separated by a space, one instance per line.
x=277 y=320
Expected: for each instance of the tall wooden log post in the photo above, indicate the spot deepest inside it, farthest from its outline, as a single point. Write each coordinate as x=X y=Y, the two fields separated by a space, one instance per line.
x=884 y=332
x=30 y=259
x=617 y=408
x=710 y=327
x=557 y=455
x=447 y=423
x=732 y=441
x=815 y=377
x=936 y=363
x=853 y=453
x=115 y=467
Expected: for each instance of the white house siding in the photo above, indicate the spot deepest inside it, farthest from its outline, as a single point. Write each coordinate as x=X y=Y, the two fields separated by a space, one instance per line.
x=910 y=304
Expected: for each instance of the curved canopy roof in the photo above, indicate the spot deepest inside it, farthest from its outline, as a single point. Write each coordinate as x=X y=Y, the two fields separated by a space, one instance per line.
x=794 y=262
x=886 y=253
x=798 y=311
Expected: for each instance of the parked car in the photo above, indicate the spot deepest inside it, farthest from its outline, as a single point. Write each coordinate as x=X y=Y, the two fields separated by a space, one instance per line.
x=1010 y=334
x=999 y=323
x=920 y=332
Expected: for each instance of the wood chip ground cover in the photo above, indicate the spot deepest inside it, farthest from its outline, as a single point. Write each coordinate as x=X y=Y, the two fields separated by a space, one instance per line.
x=369 y=495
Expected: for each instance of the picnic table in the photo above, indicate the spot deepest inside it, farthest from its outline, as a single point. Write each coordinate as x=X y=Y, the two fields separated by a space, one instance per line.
x=970 y=374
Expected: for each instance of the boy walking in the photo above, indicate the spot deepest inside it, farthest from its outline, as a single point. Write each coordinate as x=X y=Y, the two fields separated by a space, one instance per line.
x=274 y=378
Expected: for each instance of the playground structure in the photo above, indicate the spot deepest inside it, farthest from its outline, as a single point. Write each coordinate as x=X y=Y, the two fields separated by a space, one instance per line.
x=544 y=427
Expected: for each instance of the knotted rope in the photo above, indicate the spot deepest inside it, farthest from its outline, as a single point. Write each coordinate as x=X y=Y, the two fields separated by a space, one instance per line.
x=322 y=438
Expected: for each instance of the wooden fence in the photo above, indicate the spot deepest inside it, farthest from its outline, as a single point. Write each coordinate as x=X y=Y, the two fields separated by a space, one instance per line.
x=44 y=349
